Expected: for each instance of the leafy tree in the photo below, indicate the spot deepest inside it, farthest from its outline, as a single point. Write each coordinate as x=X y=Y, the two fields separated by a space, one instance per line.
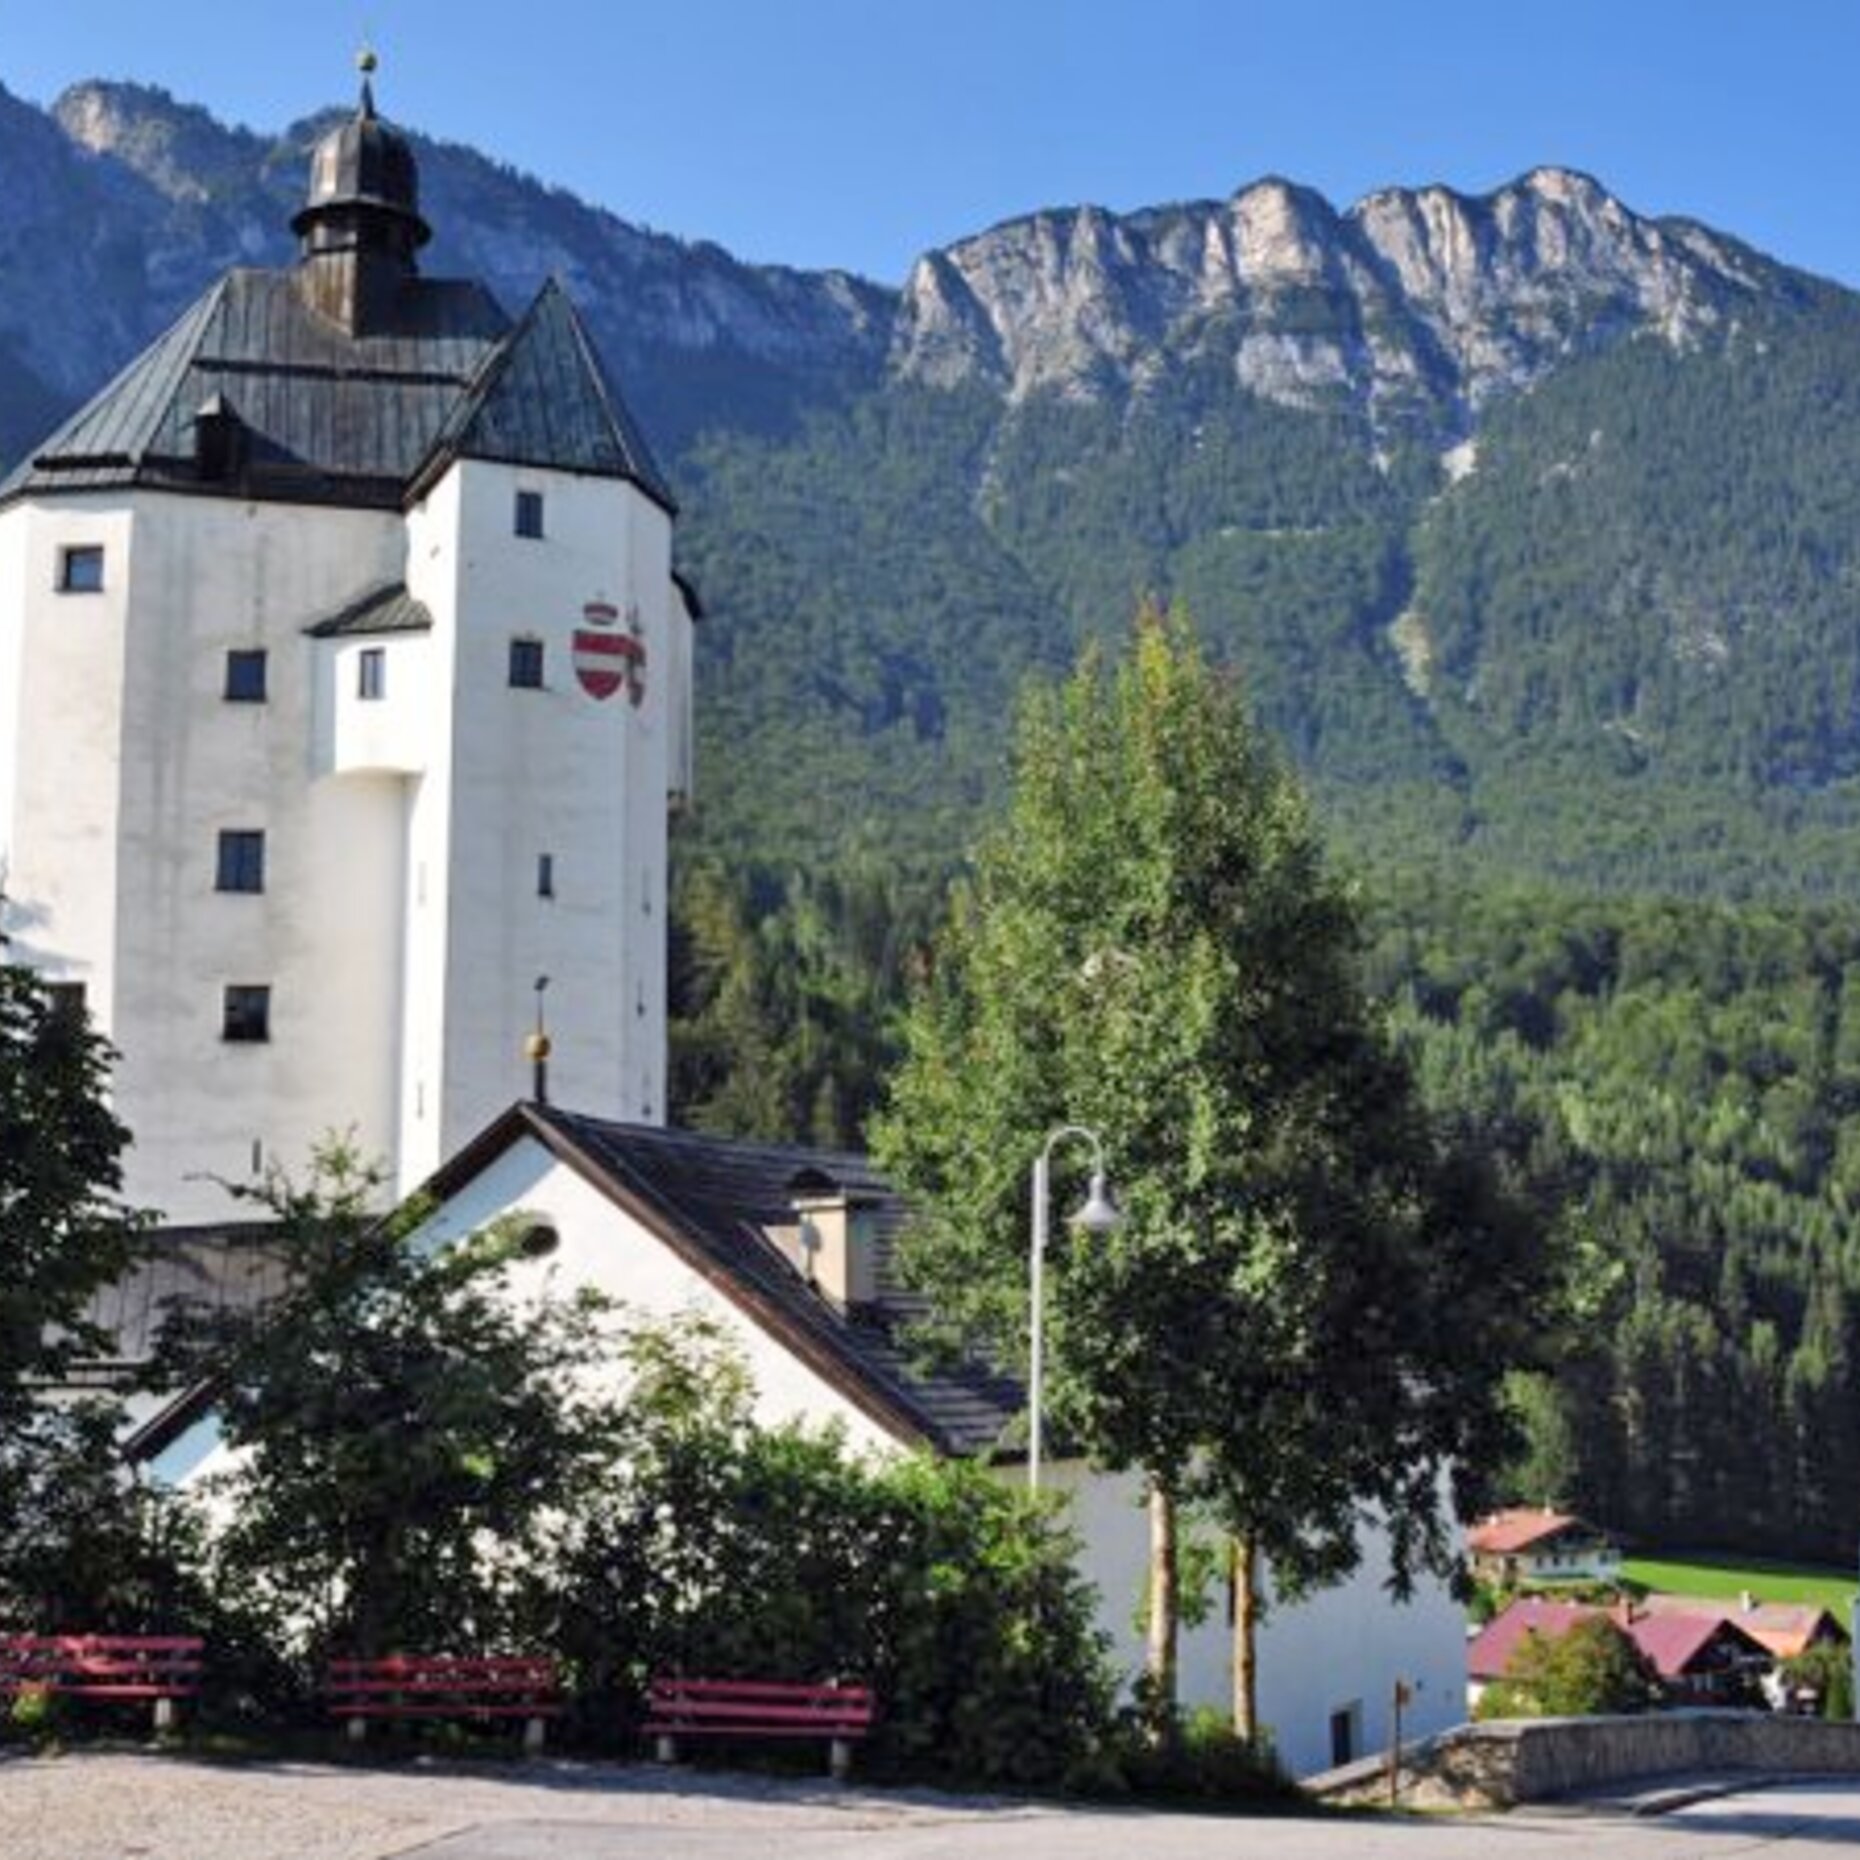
x=1827 y=1671
x=65 y=1233
x=1589 y=1669
x=1308 y=1306
x=401 y=1429
x=76 y=1544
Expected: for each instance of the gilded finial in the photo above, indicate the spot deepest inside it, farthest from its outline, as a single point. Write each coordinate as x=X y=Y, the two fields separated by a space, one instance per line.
x=366 y=63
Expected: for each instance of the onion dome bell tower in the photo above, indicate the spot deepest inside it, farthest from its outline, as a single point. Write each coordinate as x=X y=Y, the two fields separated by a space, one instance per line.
x=361 y=225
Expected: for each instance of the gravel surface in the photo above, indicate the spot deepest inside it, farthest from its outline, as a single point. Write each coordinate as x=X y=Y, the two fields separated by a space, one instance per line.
x=119 y=1805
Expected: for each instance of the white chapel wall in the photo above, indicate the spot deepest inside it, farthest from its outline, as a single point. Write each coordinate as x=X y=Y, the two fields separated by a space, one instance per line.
x=603 y=1247
x=1341 y=1648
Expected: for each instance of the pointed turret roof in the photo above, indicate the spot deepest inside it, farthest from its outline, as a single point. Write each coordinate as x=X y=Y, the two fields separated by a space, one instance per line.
x=543 y=398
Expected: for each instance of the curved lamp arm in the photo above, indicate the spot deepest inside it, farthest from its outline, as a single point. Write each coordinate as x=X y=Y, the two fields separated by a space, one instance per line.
x=1098 y=1216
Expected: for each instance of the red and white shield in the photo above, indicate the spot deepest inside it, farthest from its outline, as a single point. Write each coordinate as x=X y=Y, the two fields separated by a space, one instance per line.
x=608 y=655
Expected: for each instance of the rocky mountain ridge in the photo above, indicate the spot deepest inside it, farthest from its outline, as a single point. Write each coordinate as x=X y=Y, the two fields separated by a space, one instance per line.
x=1411 y=296
x=1414 y=305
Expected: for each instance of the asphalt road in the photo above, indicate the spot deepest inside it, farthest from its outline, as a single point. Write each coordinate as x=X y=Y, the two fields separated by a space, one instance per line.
x=117 y=1805
x=1782 y=1822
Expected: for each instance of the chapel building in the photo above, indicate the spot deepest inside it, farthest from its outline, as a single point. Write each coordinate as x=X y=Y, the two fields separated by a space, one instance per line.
x=344 y=683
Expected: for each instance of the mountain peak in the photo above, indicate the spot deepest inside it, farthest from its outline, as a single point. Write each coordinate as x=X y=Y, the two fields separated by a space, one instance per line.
x=1425 y=290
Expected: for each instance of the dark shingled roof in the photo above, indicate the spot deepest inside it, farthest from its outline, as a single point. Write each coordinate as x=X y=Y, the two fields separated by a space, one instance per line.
x=714 y=1198
x=323 y=416
x=386 y=609
x=543 y=398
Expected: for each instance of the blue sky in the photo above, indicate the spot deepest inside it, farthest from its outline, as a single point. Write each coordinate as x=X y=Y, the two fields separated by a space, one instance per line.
x=823 y=132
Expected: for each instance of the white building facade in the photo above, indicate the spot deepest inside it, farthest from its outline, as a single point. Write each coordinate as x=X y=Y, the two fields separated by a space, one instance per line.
x=344 y=680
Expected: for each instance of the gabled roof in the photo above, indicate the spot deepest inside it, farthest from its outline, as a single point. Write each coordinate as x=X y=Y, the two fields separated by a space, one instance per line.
x=712 y=1200
x=1489 y=1651
x=1677 y=1642
x=1507 y=1533
x=1789 y=1628
x=542 y=398
x=321 y=415
x=1673 y=1639
x=1783 y=1628
x=325 y=416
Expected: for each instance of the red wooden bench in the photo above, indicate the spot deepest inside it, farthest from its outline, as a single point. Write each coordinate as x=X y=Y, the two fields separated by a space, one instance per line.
x=445 y=1685
x=162 y=1669
x=756 y=1708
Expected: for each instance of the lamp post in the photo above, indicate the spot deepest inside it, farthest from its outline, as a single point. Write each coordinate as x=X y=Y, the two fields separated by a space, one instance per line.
x=1097 y=1216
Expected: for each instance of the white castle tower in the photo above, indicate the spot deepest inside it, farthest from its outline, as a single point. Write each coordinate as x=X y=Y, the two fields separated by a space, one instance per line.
x=344 y=678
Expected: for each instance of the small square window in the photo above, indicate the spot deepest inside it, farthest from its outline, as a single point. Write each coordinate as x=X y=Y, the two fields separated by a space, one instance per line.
x=242 y=860
x=247 y=1014
x=80 y=569
x=529 y=513
x=245 y=675
x=526 y=664
x=371 y=673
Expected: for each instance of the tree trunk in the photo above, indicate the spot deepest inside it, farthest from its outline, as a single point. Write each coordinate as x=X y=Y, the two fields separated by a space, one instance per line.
x=1246 y=1638
x=1164 y=1611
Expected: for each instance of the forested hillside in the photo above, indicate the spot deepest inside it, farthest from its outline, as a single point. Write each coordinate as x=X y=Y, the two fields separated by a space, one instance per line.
x=1678 y=1086
x=1531 y=526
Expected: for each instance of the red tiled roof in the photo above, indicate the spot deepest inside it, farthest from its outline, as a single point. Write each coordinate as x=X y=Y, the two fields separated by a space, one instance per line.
x=1672 y=1638
x=1783 y=1629
x=1489 y=1651
x=1505 y=1532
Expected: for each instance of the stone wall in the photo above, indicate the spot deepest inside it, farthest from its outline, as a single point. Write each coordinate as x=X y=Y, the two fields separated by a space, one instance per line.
x=1529 y=1760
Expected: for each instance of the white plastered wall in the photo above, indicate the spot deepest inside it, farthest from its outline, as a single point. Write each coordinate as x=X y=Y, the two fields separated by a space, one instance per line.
x=601 y=1246
x=1341 y=1649
x=211 y=575
x=61 y=709
x=129 y=761
x=515 y=774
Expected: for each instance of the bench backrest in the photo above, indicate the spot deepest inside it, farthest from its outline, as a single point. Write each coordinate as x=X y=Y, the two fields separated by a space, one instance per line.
x=102 y=1666
x=434 y=1677
x=720 y=1704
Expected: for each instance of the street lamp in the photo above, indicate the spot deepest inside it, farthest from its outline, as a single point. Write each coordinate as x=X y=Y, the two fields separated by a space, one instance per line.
x=1097 y=1216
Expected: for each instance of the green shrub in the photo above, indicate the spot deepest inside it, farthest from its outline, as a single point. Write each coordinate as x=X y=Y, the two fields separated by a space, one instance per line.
x=1205 y=1761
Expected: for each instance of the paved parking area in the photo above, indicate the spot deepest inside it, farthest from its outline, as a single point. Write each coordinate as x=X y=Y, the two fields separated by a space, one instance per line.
x=130 y=1806
x=92 y=1805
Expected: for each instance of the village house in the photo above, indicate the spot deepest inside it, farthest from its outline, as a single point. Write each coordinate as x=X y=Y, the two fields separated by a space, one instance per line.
x=1526 y=1544
x=1701 y=1655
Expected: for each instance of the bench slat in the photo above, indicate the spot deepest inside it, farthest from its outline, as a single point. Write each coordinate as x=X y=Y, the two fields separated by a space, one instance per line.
x=849 y=1732
x=102 y=1666
x=444 y=1686
x=756 y=1689
x=450 y=1710
x=757 y=1708
x=718 y=1712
